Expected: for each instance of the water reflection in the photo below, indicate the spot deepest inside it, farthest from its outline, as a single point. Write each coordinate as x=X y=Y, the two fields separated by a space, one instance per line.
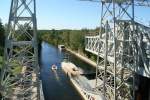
x=56 y=86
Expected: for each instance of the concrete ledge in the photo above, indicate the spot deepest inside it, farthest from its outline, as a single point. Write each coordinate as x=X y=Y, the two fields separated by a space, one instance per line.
x=87 y=60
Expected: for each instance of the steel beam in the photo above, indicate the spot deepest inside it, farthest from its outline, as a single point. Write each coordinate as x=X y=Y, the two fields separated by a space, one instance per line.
x=124 y=49
x=20 y=76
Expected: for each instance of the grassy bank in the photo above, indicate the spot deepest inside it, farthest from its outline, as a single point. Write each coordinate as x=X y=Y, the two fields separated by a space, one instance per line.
x=1 y=61
x=83 y=57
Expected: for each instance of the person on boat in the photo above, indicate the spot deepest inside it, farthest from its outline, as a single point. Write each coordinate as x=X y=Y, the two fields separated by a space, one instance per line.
x=54 y=67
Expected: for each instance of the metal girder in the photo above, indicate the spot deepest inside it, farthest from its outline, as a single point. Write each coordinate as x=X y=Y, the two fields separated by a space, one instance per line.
x=122 y=47
x=141 y=31
x=112 y=68
x=20 y=74
x=145 y=3
x=116 y=74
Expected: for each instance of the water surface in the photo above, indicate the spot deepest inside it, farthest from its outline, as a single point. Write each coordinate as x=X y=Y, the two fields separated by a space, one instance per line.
x=56 y=85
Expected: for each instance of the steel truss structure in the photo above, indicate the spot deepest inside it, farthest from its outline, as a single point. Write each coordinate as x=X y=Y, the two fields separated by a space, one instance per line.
x=20 y=76
x=123 y=49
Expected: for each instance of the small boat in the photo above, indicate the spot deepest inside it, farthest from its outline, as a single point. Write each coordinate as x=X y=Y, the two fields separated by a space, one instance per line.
x=54 y=67
x=61 y=47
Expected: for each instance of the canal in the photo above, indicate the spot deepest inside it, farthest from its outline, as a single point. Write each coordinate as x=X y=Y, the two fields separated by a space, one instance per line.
x=56 y=85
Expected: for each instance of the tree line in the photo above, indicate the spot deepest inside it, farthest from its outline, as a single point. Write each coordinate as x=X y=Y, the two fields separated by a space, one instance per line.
x=2 y=42
x=72 y=39
x=2 y=38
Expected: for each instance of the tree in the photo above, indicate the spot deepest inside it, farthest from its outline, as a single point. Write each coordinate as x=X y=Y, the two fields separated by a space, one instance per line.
x=55 y=36
x=25 y=32
x=77 y=40
x=2 y=38
x=66 y=37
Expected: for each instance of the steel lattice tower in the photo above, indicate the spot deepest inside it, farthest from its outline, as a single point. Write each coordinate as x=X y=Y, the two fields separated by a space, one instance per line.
x=118 y=46
x=113 y=68
x=19 y=79
x=122 y=49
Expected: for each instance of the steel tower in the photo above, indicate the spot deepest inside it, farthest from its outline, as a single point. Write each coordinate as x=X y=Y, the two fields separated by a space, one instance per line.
x=119 y=49
x=19 y=79
x=114 y=45
x=118 y=46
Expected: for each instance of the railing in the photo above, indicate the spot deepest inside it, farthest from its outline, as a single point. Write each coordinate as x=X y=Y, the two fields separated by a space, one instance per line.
x=124 y=48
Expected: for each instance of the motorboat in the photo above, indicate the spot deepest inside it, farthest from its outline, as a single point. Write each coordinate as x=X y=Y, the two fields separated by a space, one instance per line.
x=54 y=67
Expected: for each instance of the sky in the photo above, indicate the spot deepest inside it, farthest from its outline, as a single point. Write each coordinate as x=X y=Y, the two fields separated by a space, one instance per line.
x=67 y=14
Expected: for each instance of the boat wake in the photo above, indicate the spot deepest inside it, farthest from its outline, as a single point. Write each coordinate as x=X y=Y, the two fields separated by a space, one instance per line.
x=57 y=77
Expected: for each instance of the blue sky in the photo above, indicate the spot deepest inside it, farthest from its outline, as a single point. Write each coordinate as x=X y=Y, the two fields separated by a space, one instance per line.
x=61 y=14
x=66 y=14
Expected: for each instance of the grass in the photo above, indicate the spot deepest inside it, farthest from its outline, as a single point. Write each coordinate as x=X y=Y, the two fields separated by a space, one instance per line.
x=1 y=61
x=17 y=68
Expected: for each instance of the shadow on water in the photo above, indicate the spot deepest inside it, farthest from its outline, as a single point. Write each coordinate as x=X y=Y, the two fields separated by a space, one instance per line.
x=56 y=85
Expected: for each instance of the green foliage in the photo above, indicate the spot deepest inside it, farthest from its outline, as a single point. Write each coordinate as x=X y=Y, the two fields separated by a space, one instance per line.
x=66 y=37
x=1 y=62
x=24 y=30
x=17 y=68
x=77 y=40
x=2 y=38
x=50 y=37
x=121 y=1
x=74 y=39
